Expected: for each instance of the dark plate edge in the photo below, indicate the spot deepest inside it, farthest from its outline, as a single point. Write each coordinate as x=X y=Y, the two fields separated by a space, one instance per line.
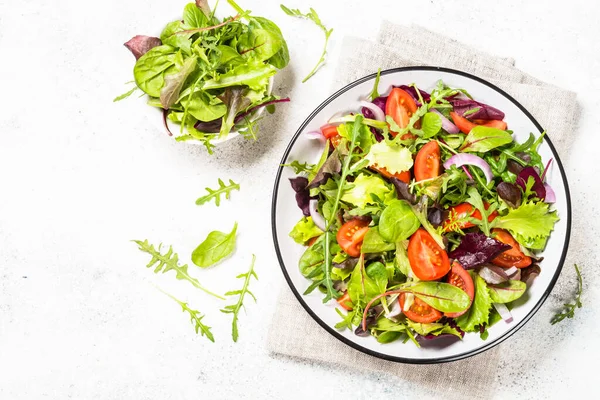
x=457 y=357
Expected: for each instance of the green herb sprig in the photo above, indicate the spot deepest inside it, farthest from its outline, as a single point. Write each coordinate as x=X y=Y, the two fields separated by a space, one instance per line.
x=195 y=318
x=569 y=308
x=313 y=16
x=216 y=193
x=241 y=293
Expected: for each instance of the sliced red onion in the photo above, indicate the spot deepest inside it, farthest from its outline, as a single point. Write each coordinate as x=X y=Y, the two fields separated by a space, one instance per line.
x=315 y=135
x=461 y=159
x=516 y=276
x=316 y=217
x=550 y=195
x=503 y=311
x=377 y=112
x=493 y=274
x=394 y=308
x=447 y=125
x=510 y=271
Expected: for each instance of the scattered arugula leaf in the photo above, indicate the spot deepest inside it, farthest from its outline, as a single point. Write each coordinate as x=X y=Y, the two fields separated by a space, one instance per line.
x=195 y=318
x=235 y=308
x=569 y=308
x=313 y=16
x=170 y=261
x=216 y=193
x=126 y=94
x=214 y=248
x=300 y=167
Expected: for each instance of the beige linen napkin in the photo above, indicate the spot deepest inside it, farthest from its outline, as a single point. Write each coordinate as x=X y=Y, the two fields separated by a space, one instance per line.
x=293 y=332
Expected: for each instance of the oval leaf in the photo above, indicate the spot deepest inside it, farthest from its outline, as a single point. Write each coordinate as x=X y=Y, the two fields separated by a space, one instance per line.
x=215 y=247
x=507 y=291
x=398 y=222
x=482 y=139
x=442 y=296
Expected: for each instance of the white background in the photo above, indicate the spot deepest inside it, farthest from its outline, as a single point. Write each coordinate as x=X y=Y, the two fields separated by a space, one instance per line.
x=82 y=176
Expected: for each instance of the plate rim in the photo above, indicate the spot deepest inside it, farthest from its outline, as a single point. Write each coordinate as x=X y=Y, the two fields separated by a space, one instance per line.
x=384 y=356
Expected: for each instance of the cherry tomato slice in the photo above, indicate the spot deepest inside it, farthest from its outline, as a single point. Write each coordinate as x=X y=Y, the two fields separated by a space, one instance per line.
x=330 y=132
x=491 y=123
x=351 y=235
x=462 y=280
x=345 y=301
x=427 y=163
x=513 y=257
x=457 y=218
x=419 y=311
x=462 y=123
x=428 y=260
x=400 y=106
x=403 y=176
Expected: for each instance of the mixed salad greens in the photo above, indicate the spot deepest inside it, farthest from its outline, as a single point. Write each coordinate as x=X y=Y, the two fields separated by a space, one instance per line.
x=208 y=75
x=423 y=216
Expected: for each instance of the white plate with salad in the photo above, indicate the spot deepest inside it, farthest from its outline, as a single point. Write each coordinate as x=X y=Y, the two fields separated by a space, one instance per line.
x=421 y=215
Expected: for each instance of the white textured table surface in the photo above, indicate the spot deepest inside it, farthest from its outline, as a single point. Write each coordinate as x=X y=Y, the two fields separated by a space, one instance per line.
x=82 y=176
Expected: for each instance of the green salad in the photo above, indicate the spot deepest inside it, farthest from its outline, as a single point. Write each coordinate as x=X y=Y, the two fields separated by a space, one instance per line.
x=209 y=75
x=423 y=217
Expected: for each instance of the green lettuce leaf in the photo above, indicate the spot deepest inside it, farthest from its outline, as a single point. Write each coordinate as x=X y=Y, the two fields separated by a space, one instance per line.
x=482 y=139
x=530 y=224
x=255 y=75
x=398 y=222
x=432 y=329
x=361 y=189
x=305 y=230
x=394 y=158
x=374 y=243
x=507 y=291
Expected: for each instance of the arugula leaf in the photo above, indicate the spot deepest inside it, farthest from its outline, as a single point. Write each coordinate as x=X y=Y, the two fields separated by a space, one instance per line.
x=476 y=201
x=479 y=312
x=125 y=95
x=305 y=230
x=375 y=92
x=216 y=193
x=482 y=139
x=569 y=310
x=195 y=318
x=214 y=248
x=300 y=167
x=313 y=16
x=170 y=262
x=398 y=222
x=530 y=224
x=241 y=293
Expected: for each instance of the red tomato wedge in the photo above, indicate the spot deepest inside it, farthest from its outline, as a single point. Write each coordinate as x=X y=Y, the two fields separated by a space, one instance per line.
x=428 y=260
x=400 y=106
x=351 y=235
x=462 y=123
x=513 y=257
x=491 y=123
x=427 y=163
x=419 y=311
x=331 y=133
x=462 y=280
x=462 y=212
x=403 y=176
x=345 y=301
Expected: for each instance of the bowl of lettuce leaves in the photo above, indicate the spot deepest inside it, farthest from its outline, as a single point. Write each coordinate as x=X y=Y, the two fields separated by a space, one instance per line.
x=210 y=78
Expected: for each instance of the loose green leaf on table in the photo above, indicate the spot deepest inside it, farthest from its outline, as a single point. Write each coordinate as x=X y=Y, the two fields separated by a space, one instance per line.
x=300 y=167
x=169 y=261
x=214 y=248
x=313 y=16
x=195 y=317
x=241 y=293
x=216 y=193
x=569 y=308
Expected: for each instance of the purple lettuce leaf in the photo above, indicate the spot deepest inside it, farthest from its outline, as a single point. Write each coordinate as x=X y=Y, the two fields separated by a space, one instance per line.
x=331 y=166
x=140 y=45
x=369 y=114
x=299 y=185
x=538 y=186
x=476 y=249
x=483 y=111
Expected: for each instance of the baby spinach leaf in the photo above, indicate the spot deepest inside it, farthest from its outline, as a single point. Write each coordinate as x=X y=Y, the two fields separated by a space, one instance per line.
x=193 y=17
x=281 y=58
x=203 y=107
x=398 y=221
x=215 y=247
x=181 y=41
x=367 y=283
x=149 y=71
x=431 y=125
x=507 y=291
x=434 y=329
x=442 y=296
x=174 y=83
x=482 y=139
x=479 y=312
x=374 y=243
